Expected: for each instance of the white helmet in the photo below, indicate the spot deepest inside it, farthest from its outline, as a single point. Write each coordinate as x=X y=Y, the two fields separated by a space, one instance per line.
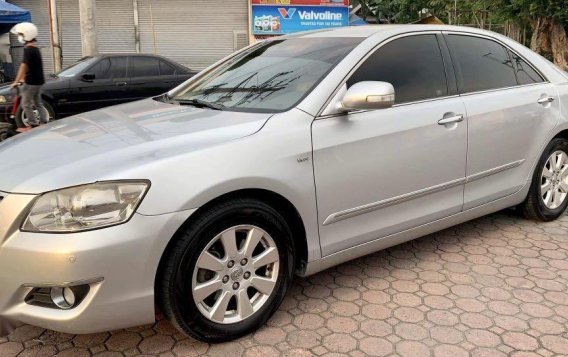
x=26 y=29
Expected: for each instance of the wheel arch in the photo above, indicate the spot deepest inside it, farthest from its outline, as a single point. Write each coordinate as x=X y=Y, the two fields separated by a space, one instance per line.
x=562 y=134
x=277 y=201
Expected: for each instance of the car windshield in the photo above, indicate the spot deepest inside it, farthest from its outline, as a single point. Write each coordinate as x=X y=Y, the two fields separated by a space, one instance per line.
x=76 y=67
x=270 y=77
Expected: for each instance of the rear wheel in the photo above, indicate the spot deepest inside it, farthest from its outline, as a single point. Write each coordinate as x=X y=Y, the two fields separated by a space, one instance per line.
x=547 y=198
x=228 y=272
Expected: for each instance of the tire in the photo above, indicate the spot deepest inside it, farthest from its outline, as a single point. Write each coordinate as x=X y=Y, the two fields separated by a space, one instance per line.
x=4 y=134
x=21 y=121
x=178 y=274
x=534 y=207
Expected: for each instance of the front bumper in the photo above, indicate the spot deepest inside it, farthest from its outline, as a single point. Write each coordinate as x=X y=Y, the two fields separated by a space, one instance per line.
x=121 y=262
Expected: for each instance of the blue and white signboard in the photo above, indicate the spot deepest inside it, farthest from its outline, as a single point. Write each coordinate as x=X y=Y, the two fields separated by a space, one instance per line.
x=283 y=19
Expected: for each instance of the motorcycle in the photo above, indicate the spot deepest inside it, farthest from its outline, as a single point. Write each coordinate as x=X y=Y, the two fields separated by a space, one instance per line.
x=8 y=125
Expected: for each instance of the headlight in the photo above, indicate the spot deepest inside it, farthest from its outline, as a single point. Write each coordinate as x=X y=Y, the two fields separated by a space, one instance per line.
x=86 y=207
x=6 y=99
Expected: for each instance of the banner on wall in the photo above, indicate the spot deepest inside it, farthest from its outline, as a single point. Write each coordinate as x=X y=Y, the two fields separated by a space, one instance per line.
x=285 y=19
x=302 y=2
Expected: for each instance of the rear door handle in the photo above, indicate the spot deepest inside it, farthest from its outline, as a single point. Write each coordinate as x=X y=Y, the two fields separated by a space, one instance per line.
x=452 y=119
x=545 y=100
x=121 y=84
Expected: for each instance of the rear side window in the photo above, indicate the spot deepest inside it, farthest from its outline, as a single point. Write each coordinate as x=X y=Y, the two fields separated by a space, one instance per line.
x=413 y=65
x=525 y=73
x=166 y=69
x=144 y=67
x=481 y=64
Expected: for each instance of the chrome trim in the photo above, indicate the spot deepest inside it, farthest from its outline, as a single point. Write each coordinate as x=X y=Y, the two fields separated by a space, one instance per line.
x=352 y=212
x=340 y=114
x=502 y=89
x=453 y=119
x=370 y=207
x=545 y=100
x=493 y=171
x=67 y=284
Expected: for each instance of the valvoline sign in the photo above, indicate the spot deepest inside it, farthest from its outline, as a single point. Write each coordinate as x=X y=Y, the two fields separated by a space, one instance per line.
x=281 y=19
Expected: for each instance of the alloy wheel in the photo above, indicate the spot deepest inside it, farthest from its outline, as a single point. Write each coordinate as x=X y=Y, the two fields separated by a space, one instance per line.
x=235 y=274
x=554 y=180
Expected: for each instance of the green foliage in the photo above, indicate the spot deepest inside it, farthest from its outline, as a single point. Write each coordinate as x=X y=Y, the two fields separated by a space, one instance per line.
x=519 y=11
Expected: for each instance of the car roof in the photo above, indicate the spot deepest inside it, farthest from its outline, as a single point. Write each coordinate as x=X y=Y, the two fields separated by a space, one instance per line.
x=370 y=30
x=101 y=55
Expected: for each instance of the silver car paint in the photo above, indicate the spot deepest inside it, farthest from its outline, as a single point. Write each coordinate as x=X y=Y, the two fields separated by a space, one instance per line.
x=359 y=160
x=194 y=155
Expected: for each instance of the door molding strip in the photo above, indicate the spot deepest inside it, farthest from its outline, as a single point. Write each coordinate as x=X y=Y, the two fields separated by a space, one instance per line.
x=370 y=207
x=374 y=206
x=493 y=171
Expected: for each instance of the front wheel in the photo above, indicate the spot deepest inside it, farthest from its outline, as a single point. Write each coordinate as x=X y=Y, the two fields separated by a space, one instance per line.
x=21 y=119
x=547 y=198
x=228 y=272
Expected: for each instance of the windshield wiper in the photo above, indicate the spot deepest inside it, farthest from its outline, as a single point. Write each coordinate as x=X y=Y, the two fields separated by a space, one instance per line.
x=200 y=103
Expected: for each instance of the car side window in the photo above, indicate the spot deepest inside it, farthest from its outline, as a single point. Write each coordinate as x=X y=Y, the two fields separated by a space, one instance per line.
x=117 y=68
x=413 y=65
x=144 y=67
x=481 y=64
x=100 y=68
x=525 y=73
x=166 y=69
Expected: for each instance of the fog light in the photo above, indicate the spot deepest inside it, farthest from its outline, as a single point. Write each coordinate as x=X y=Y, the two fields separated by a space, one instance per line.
x=63 y=298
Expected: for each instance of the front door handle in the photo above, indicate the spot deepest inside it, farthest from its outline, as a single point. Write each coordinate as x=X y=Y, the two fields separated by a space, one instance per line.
x=452 y=119
x=545 y=100
x=121 y=84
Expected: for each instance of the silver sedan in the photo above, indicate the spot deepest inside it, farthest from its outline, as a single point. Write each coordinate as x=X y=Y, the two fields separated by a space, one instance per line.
x=288 y=157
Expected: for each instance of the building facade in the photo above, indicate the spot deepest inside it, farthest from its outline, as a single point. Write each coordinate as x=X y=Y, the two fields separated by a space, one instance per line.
x=194 y=33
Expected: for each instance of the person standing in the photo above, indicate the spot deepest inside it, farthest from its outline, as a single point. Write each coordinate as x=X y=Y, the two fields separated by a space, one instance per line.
x=31 y=73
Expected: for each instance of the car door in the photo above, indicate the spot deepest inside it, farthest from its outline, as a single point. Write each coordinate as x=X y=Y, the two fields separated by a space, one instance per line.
x=100 y=85
x=509 y=116
x=379 y=172
x=144 y=77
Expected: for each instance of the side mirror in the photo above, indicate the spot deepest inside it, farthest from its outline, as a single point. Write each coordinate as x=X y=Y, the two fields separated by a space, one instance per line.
x=368 y=95
x=88 y=76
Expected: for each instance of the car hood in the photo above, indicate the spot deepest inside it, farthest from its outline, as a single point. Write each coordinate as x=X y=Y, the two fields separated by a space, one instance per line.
x=114 y=142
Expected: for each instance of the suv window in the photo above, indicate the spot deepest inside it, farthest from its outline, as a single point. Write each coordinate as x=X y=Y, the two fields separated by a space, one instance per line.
x=166 y=69
x=144 y=67
x=481 y=64
x=525 y=73
x=413 y=65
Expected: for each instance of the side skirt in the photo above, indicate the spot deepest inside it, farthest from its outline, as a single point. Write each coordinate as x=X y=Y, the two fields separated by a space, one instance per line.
x=334 y=259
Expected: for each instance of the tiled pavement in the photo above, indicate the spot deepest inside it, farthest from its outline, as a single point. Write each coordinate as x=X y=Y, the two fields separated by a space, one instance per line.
x=494 y=287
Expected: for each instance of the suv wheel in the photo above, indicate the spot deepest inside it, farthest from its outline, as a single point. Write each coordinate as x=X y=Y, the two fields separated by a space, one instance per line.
x=228 y=271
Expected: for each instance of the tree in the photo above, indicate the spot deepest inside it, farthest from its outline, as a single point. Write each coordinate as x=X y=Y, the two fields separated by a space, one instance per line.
x=549 y=22
x=548 y=19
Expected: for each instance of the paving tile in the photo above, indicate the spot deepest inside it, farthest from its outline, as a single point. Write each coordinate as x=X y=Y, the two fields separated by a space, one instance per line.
x=497 y=286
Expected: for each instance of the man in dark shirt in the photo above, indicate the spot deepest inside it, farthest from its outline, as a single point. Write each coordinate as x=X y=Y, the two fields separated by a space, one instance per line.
x=31 y=73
